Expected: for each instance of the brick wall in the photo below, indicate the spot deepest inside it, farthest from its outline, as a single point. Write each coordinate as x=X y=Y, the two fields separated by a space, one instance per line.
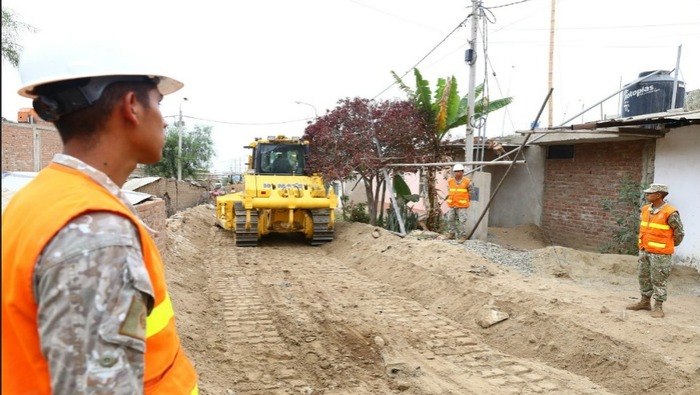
x=18 y=144
x=152 y=212
x=574 y=189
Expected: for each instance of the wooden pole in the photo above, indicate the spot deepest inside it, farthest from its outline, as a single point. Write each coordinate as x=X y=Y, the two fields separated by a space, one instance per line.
x=550 y=105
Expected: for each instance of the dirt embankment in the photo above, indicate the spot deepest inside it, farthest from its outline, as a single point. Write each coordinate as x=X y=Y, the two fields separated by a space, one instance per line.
x=372 y=313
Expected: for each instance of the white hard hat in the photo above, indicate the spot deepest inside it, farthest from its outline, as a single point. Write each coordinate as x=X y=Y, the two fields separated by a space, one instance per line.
x=61 y=56
x=458 y=167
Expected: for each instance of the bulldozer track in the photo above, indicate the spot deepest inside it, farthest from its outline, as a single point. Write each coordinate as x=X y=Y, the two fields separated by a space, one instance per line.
x=322 y=233
x=245 y=238
x=280 y=314
x=250 y=325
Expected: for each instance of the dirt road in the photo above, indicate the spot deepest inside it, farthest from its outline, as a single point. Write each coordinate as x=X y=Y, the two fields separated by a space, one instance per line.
x=372 y=313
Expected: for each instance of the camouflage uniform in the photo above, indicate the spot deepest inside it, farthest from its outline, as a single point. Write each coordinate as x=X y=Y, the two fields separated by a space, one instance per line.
x=93 y=294
x=457 y=217
x=654 y=269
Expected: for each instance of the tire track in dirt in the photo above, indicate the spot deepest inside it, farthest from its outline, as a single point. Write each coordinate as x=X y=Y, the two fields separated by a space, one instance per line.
x=298 y=313
x=250 y=326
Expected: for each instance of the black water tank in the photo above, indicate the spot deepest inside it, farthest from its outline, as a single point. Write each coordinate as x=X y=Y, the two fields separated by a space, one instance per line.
x=652 y=95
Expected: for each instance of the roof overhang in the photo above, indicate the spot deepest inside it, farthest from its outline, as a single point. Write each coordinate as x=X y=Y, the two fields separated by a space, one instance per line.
x=647 y=126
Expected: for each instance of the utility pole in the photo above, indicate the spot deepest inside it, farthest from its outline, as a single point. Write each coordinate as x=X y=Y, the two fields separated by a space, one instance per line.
x=179 y=143
x=550 y=105
x=470 y=59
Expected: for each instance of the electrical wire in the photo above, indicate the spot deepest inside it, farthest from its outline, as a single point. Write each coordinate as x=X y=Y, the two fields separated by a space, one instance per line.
x=242 y=123
x=426 y=55
x=486 y=18
x=506 y=5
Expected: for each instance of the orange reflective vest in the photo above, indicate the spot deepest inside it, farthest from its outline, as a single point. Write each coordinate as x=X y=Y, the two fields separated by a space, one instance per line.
x=458 y=195
x=655 y=235
x=28 y=225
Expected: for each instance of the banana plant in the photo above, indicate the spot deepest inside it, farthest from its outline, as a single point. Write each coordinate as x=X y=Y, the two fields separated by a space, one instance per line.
x=444 y=111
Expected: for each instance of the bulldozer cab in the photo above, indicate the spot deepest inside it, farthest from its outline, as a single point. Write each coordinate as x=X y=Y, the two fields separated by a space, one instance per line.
x=280 y=158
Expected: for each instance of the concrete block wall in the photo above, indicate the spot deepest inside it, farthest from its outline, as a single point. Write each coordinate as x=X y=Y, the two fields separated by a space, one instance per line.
x=518 y=200
x=575 y=188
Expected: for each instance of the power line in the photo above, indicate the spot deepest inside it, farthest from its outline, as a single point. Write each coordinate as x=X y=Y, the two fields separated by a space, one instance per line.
x=251 y=123
x=242 y=123
x=612 y=27
x=426 y=55
x=392 y=15
x=461 y=24
x=506 y=5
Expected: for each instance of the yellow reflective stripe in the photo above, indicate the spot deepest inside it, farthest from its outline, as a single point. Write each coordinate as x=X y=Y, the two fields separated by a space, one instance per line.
x=195 y=390
x=461 y=190
x=655 y=244
x=159 y=317
x=659 y=226
x=644 y=223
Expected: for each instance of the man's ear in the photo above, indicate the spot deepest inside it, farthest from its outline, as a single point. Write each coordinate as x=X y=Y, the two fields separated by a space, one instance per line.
x=129 y=107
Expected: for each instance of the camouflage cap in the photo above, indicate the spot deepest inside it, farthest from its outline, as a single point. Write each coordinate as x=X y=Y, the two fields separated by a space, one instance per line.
x=653 y=188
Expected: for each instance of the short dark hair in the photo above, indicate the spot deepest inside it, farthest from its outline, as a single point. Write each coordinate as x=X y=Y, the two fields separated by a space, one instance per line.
x=83 y=123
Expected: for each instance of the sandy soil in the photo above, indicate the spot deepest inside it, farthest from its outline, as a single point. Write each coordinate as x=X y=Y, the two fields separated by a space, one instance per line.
x=373 y=313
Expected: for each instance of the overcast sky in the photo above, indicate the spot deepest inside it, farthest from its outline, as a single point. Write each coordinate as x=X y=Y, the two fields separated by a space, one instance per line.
x=245 y=64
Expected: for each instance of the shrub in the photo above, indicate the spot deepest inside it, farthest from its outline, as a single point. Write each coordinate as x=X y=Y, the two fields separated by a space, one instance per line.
x=625 y=209
x=354 y=212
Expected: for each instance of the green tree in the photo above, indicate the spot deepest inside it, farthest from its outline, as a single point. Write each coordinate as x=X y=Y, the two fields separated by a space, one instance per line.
x=197 y=153
x=442 y=112
x=11 y=28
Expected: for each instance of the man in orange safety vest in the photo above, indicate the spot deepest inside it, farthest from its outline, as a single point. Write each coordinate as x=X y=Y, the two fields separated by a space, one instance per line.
x=458 y=197
x=85 y=306
x=660 y=230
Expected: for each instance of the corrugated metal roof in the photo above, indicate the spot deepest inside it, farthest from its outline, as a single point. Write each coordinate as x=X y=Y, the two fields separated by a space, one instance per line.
x=661 y=120
x=136 y=183
x=16 y=180
x=647 y=126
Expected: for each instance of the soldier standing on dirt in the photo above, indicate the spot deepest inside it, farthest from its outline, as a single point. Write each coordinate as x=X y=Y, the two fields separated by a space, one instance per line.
x=85 y=307
x=458 y=198
x=659 y=231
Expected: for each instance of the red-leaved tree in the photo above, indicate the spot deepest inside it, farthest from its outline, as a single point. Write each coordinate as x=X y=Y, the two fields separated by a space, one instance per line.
x=360 y=136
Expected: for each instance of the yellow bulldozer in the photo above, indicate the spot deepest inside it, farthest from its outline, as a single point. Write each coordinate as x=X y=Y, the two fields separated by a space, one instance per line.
x=278 y=196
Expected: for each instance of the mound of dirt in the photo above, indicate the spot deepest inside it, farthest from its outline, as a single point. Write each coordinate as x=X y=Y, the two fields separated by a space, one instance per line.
x=373 y=313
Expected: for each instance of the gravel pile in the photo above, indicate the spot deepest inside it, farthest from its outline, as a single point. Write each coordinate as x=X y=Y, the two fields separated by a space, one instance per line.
x=520 y=261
